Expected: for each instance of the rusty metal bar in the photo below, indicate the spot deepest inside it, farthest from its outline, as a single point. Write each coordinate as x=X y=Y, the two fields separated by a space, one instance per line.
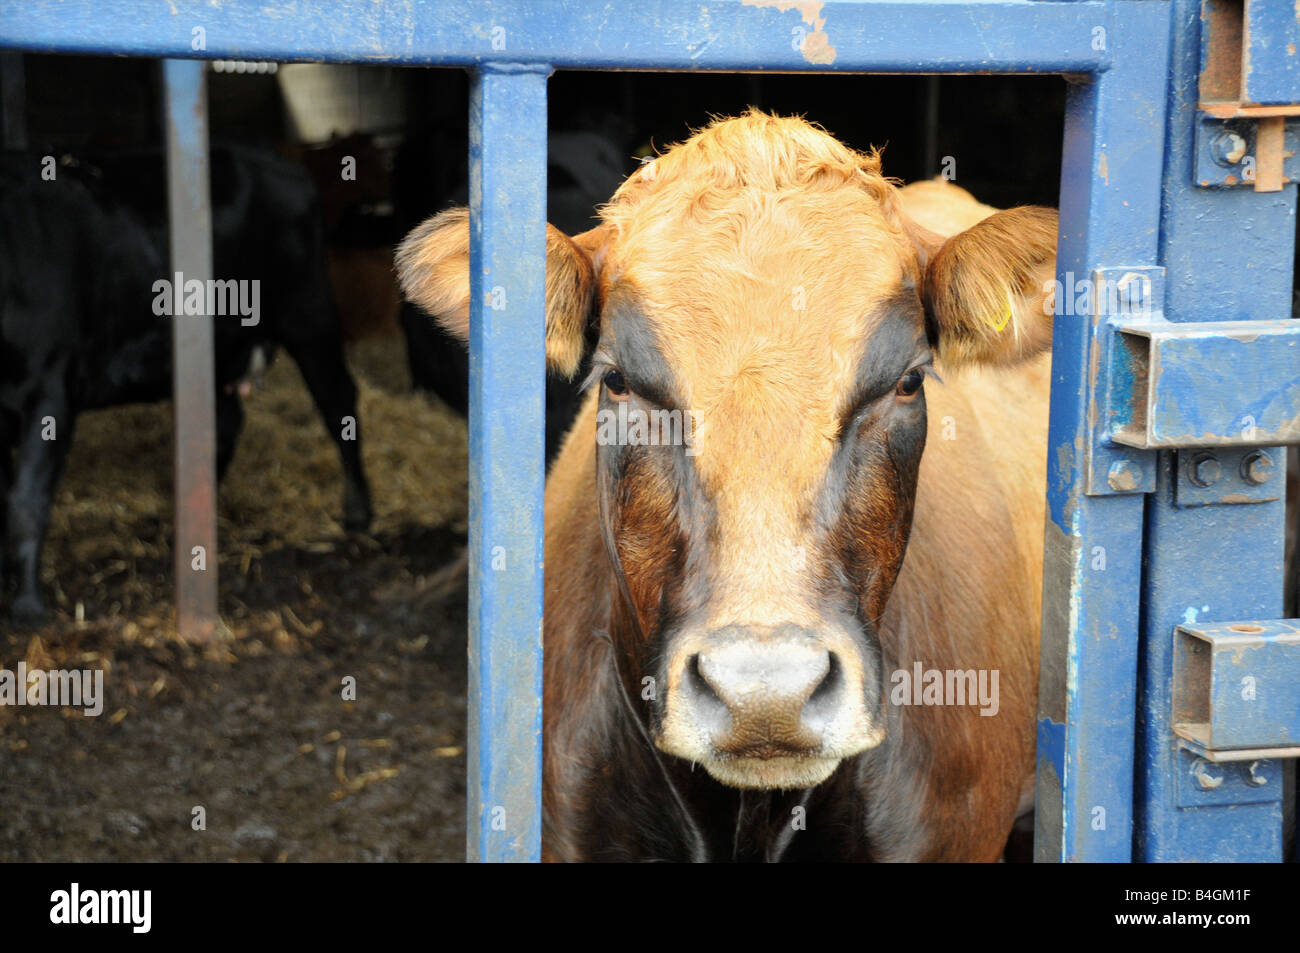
x=194 y=376
x=1269 y=148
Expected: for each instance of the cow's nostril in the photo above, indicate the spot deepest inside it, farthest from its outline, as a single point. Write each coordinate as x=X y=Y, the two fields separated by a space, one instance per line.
x=824 y=702
x=710 y=709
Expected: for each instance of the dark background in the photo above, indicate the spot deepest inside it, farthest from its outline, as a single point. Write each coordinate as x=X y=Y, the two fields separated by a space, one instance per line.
x=1004 y=132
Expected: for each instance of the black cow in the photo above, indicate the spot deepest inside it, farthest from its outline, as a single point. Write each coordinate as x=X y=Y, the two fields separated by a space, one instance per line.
x=79 y=259
x=583 y=170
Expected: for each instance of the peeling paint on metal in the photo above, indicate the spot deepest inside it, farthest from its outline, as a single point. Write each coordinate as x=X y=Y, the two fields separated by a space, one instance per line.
x=816 y=46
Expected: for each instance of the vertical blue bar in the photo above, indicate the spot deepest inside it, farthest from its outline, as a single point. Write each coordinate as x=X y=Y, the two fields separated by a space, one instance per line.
x=1110 y=217
x=185 y=100
x=1227 y=255
x=507 y=260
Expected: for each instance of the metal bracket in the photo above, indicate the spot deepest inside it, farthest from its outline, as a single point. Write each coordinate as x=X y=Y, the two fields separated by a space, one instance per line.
x=1236 y=693
x=1249 y=84
x=1227 y=476
x=1208 y=384
x=1114 y=297
x=1232 y=152
x=1225 y=394
x=1203 y=782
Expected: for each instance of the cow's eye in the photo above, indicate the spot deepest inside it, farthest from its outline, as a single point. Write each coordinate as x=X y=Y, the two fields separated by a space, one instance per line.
x=910 y=383
x=616 y=384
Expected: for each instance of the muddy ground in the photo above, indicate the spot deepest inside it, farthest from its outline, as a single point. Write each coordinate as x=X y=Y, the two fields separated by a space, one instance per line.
x=254 y=729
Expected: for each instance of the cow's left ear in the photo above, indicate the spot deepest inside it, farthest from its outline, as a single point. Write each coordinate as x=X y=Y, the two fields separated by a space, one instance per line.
x=988 y=290
x=433 y=268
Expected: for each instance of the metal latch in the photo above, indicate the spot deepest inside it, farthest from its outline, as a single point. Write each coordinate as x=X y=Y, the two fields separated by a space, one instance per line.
x=1237 y=689
x=1249 y=87
x=1209 y=384
x=1224 y=394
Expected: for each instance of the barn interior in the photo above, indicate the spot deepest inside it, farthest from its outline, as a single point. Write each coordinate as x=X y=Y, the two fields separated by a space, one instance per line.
x=253 y=725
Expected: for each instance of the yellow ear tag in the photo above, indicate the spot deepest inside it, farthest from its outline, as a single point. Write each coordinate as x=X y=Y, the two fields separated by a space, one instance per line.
x=1006 y=318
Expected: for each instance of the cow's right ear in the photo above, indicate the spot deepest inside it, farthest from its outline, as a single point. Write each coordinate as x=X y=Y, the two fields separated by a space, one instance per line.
x=433 y=267
x=988 y=290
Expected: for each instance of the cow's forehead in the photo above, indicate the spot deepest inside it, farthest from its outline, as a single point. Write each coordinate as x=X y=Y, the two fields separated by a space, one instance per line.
x=764 y=311
x=758 y=252
x=769 y=286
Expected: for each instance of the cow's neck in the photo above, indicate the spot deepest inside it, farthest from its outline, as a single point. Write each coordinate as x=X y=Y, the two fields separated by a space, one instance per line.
x=642 y=804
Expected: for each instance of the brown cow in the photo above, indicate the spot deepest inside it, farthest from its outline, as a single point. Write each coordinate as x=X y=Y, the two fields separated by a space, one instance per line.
x=733 y=636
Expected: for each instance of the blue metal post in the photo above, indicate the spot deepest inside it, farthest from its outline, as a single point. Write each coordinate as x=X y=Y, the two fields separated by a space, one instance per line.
x=507 y=188
x=1227 y=255
x=185 y=93
x=1110 y=216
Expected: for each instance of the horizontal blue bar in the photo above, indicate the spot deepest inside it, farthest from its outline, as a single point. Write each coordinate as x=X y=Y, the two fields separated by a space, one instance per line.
x=996 y=36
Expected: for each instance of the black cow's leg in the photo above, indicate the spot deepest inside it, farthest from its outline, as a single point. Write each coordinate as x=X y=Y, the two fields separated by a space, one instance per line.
x=38 y=468
x=6 y=480
x=418 y=358
x=335 y=394
x=230 y=423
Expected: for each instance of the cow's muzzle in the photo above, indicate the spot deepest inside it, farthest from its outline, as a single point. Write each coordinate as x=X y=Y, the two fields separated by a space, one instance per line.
x=769 y=707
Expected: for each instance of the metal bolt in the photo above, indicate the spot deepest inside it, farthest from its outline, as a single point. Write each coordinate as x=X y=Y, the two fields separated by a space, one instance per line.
x=1205 y=469
x=1255 y=779
x=1257 y=468
x=1228 y=149
x=1132 y=291
x=1124 y=476
x=1201 y=772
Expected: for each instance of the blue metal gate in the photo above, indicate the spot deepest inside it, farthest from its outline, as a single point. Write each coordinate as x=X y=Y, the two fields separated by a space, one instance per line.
x=1167 y=691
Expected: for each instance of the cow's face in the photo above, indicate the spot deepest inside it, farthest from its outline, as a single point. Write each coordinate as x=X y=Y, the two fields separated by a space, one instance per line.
x=766 y=320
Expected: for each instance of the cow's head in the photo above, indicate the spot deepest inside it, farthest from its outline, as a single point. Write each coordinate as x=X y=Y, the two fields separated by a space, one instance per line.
x=763 y=279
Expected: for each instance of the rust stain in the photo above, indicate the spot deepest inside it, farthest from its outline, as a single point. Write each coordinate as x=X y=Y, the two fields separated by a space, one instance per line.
x=1235 y=110
x=1094 y=371
x=815 y=46
x=1220 y=80
x=1246 y=69
x=1103 y=169
x=1239 y=498
x=1269 y=145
